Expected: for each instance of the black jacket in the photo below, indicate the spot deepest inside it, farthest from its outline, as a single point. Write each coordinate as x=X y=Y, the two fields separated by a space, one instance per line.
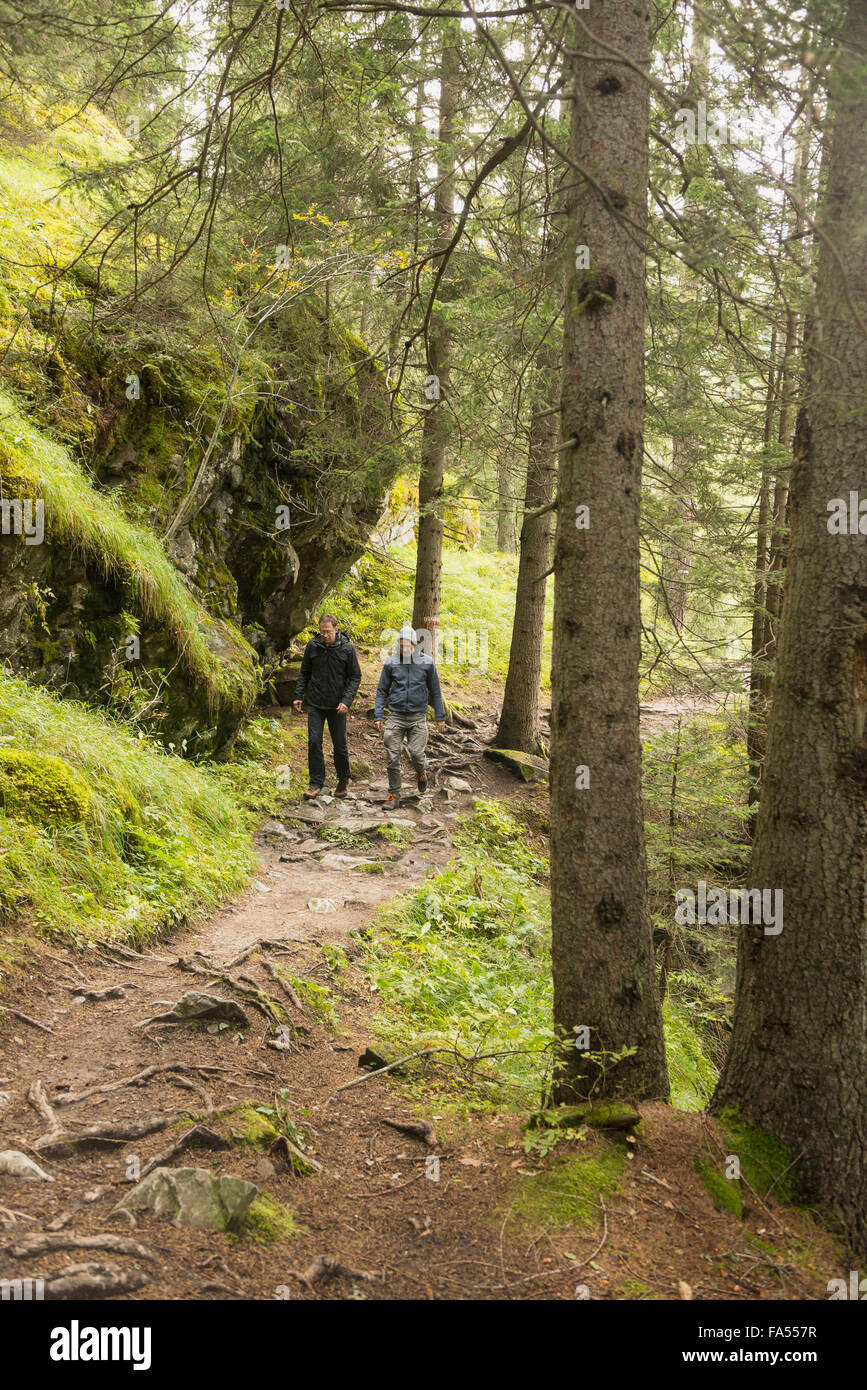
x=330 y=676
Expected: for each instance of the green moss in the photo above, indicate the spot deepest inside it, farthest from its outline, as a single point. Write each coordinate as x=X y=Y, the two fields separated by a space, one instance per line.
x=268 y=1220
x=395 y=834
x=256 y=1129
x=40 y=787
x=765 y=1164
x=568 y=1192
x=726 y=1192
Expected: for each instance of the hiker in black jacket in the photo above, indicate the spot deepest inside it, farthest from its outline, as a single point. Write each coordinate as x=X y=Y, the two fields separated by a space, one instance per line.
x=330 y=677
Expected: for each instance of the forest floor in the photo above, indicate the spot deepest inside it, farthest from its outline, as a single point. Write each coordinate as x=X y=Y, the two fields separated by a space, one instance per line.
x=603 y=1217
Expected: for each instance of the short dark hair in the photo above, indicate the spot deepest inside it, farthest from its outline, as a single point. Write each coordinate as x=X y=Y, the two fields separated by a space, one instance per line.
x=328 y=618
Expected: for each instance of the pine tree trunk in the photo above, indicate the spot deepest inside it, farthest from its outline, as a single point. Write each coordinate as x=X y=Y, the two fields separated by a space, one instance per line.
x=603 y=961
x=797 y=1065
x=519 y=721
x=435 y=431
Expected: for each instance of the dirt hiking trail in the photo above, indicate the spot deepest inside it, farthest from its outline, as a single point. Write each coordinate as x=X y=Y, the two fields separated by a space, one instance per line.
x=381 y=1213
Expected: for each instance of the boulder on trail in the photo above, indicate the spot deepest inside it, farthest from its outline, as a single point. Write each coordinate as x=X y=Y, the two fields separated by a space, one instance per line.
x=192 y=1197
x=525 y=765
x=18 y=1165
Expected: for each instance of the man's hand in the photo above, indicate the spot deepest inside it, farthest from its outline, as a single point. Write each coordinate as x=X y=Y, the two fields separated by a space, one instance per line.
x=297 y=705
x=441 y=726
x=342 y=708
x=377 y=724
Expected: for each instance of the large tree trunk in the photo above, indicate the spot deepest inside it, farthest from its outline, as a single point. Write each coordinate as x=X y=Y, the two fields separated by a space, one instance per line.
x=519 y=720
x=604 y=969
x=797 y=1066
x=435 y=431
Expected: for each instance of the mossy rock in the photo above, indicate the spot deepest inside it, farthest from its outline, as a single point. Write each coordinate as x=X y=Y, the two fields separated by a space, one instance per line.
x=268 y=1220
x=374 y=1058
x=256 y=1129
x=40 y=787
x=614 y=1114
x=527 y=766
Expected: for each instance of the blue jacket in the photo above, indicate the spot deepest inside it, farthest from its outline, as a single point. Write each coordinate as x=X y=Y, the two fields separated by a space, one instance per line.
x=409 y=687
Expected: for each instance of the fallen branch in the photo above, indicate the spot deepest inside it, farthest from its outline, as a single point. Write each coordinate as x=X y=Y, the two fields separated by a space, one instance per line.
x=422 y=1130
x=380 y=1071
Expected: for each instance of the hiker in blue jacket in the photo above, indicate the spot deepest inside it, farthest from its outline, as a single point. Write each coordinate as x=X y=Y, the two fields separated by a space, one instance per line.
x=408 y=684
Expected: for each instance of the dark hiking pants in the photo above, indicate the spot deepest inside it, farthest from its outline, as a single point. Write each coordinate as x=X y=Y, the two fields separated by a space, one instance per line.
x=316 y=721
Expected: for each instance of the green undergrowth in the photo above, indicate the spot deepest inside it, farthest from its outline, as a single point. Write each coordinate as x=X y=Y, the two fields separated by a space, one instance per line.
x=463 y=963
x=159 y=838
x=34 y=465
x=691 y=1073
x=570 y=1190
x=695 y=794
x=753 y=1163
x=266 y=770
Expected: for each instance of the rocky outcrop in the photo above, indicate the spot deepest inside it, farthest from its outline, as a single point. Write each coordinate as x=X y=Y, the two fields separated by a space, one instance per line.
x=259 y=524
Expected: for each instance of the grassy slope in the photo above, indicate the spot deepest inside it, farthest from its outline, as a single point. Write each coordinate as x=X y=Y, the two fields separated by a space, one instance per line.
x=75 y=512
x=163 y=838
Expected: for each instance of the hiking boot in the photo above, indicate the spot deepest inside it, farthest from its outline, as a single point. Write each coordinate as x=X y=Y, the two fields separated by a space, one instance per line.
x=391 y=802
x=342 y=786
x=422 y=785
x=311 y=792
